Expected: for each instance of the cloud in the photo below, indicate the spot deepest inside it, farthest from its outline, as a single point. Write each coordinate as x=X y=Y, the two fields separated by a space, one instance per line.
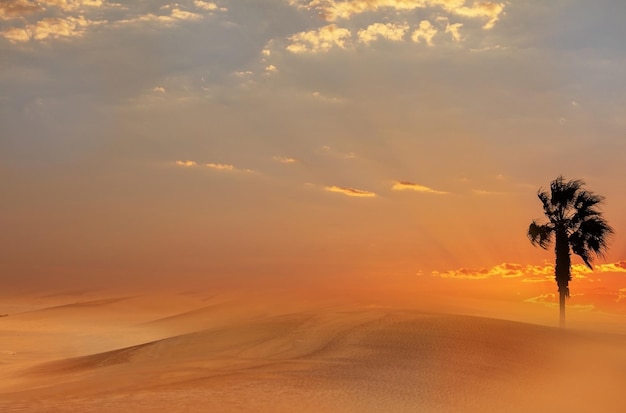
x=205 y=5
x=13 y=9
x=51 y=27
x=331 y=36
x=350 y=192
x=179 y=14
x=410 y=186
x=16 y=35
x=158 y=89
x=186 y=163
x=332 y=10
x=619 y=266
x=390 y=31
x=225 y=167
x=530 y=273
x=176 y=15
x=486 y=10
x=504 y=270
x=67 y=19
x=321 y=40
x=426 y=32
x=283 y=159
x=70 y=5
x=453 y=29
x=220 y=166
x=331 y=99
x=215 y=166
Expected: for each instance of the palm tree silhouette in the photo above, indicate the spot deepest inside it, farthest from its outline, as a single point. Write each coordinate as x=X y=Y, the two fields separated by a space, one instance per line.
x=577 y=225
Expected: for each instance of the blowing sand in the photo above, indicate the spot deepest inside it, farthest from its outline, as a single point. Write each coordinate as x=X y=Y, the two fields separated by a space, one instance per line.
x=221 y=353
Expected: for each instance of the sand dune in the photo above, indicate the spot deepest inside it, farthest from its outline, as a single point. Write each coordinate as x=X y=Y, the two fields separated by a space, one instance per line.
x=179 y=353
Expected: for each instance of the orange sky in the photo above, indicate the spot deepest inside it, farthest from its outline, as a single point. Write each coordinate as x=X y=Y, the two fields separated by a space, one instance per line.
x=381 y=143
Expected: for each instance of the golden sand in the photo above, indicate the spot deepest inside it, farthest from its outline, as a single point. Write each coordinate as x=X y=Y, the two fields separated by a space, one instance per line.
x=220 y=353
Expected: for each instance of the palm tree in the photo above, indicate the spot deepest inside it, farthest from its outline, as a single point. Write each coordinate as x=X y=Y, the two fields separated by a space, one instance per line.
x=577 y=225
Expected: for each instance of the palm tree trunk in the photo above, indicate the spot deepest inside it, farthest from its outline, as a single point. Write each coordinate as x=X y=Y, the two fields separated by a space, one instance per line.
x=562 y=308
x=562 y=270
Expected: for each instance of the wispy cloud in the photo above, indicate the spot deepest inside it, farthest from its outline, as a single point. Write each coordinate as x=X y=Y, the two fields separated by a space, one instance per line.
x=176 y=15
x=186 y=163
x=410 y=186
x=221 y=166
x=325 y=98
x=212 y=165
x=350 y=192
x=283 y=159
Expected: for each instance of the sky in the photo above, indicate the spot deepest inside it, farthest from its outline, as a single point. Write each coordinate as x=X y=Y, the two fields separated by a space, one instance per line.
x=322 y=142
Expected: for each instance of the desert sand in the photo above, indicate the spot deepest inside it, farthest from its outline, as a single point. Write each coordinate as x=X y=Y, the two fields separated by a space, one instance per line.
x=218 y=352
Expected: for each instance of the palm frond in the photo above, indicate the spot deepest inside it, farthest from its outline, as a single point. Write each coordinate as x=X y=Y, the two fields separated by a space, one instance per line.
x=548 y=208
x=579 y=248
x=563 y=193
x=539 y=234
x=591 y=238
x=585 y=206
